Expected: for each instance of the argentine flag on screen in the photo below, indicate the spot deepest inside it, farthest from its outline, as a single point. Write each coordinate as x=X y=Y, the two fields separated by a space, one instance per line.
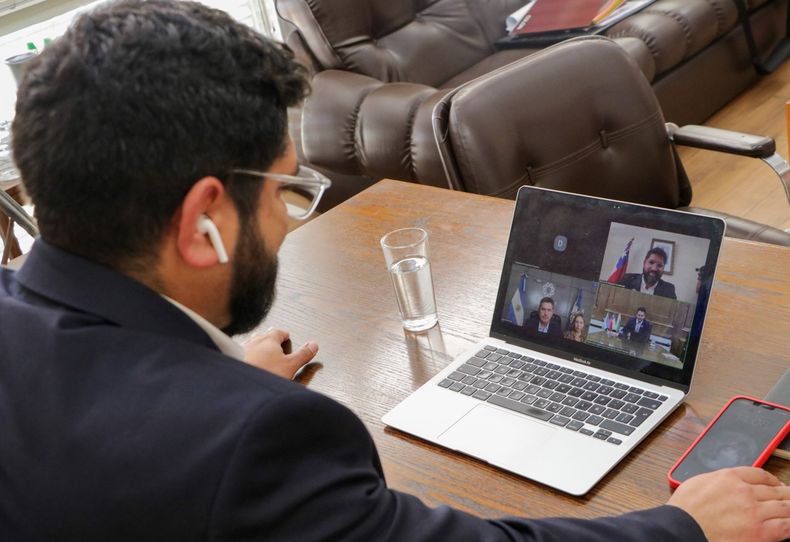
x=515 y=311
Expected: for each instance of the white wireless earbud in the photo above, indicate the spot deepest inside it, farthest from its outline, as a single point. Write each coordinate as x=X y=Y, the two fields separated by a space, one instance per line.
x=207 y=226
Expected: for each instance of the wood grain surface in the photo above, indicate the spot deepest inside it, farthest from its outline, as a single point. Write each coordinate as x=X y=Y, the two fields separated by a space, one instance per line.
x=334 y=288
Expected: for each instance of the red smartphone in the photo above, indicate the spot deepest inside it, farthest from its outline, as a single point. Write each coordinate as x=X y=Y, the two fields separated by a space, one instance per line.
x=744 y=433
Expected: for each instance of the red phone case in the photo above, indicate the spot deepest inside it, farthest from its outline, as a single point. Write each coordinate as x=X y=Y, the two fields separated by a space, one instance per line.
x=762 y=458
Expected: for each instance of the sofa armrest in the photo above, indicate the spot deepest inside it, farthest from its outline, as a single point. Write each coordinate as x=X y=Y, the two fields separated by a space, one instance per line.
x=355 y=124
x=742 y=144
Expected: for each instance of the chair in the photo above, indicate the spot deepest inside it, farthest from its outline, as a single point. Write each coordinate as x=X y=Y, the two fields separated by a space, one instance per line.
x=589 y=124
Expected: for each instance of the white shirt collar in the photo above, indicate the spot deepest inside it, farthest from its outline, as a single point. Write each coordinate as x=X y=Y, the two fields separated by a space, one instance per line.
x=648 y=289
x=226 y=345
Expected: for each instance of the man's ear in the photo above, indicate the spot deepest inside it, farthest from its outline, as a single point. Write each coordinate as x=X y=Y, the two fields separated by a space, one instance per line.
x=206 y=224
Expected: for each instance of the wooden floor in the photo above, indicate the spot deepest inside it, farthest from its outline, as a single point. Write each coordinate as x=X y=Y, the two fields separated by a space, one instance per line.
x=743 y=186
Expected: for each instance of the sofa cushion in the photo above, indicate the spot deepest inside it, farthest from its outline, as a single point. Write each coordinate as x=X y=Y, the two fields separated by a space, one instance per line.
x=674 y=30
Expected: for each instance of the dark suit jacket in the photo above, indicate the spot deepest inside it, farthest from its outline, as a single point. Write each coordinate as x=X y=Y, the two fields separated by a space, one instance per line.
x=633 y=281
x=555 y=327
x=120 y=420
x=644 y=331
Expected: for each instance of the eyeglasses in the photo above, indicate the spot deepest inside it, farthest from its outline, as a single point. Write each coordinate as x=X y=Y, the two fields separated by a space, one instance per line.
x=303 y=190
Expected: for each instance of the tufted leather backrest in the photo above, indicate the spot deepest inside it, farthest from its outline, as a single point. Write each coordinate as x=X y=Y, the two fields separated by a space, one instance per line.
x=418 y=41
x=588 y=122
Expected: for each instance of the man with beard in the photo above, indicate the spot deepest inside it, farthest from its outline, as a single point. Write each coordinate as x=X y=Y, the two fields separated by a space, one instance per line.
x=650 y=281
x=152 y=139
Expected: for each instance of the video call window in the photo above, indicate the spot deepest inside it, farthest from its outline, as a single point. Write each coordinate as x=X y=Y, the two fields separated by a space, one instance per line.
x=642 y=304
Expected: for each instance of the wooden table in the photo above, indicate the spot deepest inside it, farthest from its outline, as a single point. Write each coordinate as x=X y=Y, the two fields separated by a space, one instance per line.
x=334 y=288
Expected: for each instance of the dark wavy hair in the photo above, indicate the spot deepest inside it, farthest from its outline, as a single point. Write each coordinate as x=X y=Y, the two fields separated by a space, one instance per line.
x=117 y=119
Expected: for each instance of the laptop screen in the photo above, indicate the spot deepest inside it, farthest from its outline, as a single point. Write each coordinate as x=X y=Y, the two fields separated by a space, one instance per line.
x=619 y=286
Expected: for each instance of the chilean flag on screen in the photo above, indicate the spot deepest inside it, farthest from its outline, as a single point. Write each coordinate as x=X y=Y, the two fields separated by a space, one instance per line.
x=622 y=264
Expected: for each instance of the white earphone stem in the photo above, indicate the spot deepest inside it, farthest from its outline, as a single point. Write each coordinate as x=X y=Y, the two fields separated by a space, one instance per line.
x=207 y=226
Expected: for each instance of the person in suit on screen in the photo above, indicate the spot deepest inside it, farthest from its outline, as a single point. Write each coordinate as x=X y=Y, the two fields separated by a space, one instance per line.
x=650 y=281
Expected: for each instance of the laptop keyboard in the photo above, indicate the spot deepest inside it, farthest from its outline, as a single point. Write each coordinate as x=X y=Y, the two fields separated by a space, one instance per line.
x=598 y=407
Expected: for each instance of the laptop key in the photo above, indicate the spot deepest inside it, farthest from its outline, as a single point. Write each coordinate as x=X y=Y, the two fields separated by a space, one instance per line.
x=610 y=413
x=634 y=389
x=588 y=396
x=456 y=386
x=662 y=398
x=624 y=418
x=456 y=376
x=542 y=403
x=495 y=378
x=630 y=408
x=552 y=366
x=551 y=384
x=568 y=411
x=631 y=397
x=574 y=425
x=493 y=388
x=566 y=379
x=482 y=395
x=504 y=392
x=538 y=362
x=570 y=401
x=514 y=373
x=591 y=386
x=477 y=362
x=517 y=395
x=585 y=431
x=594 y=420
x=544 y=393
x=517 y=364
x=613 y=440
x=507 y=381
x=502 y=369
x=563 y=388
x=517 y=406
x=533 y=389
x=529 y=399
x=494 y=356
x=649 y=403
x=554 y=407
x=538 y=380
x=469 y=380
x=581 y=416
x=489 y=347
x=566 y=370
x=557 y=397
x=639 y=416
x=621 y=386
x=519 y=386
x=502 y=351
x=575 y=392
x=618 y=394
x=605 y=390
x=617 y=427
x=602 y=400
x=562 y=421
x=578 y=382
x=594 y=378
x=583 y=405
x=482 y=354
x=650 y=395
x=554 y=375
x=469 y=369
x=616 y=404
x=579 y=373
x=469 y=390
x=607 y=382
x=446 y=383
x=540 y=371
x=480 y=384
x=602 y=435
x=597 y=409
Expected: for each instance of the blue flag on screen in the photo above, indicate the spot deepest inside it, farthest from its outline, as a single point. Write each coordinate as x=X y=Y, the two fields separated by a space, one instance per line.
x=515 y=310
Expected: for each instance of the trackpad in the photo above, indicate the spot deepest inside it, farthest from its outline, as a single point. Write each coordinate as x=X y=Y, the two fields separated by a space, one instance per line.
x=508 y=440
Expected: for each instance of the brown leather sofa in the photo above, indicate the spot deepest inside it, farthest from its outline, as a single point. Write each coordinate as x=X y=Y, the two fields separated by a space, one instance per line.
x=382 y=65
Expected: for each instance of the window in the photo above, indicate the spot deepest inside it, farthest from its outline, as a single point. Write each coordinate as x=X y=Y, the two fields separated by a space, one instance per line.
x=33 y=21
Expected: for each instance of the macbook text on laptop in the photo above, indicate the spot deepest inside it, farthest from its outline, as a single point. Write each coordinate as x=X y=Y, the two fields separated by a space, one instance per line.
x=593 y=340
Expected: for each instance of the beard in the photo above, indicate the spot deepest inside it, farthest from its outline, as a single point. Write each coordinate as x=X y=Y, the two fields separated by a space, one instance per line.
x=253 y=282
x=651 y=278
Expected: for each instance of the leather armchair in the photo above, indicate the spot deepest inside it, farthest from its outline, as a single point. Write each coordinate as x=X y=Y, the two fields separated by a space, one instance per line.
x=589 y=124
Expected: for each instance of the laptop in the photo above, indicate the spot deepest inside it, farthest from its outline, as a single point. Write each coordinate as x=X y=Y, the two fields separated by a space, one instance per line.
x=593 y=340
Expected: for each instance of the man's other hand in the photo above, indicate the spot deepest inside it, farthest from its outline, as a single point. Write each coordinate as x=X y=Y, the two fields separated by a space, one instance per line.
x=268 y=352
x=742 y=504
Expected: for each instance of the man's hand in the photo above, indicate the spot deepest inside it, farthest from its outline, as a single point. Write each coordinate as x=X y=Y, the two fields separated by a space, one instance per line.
x=268 y=352
x=741 y=504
